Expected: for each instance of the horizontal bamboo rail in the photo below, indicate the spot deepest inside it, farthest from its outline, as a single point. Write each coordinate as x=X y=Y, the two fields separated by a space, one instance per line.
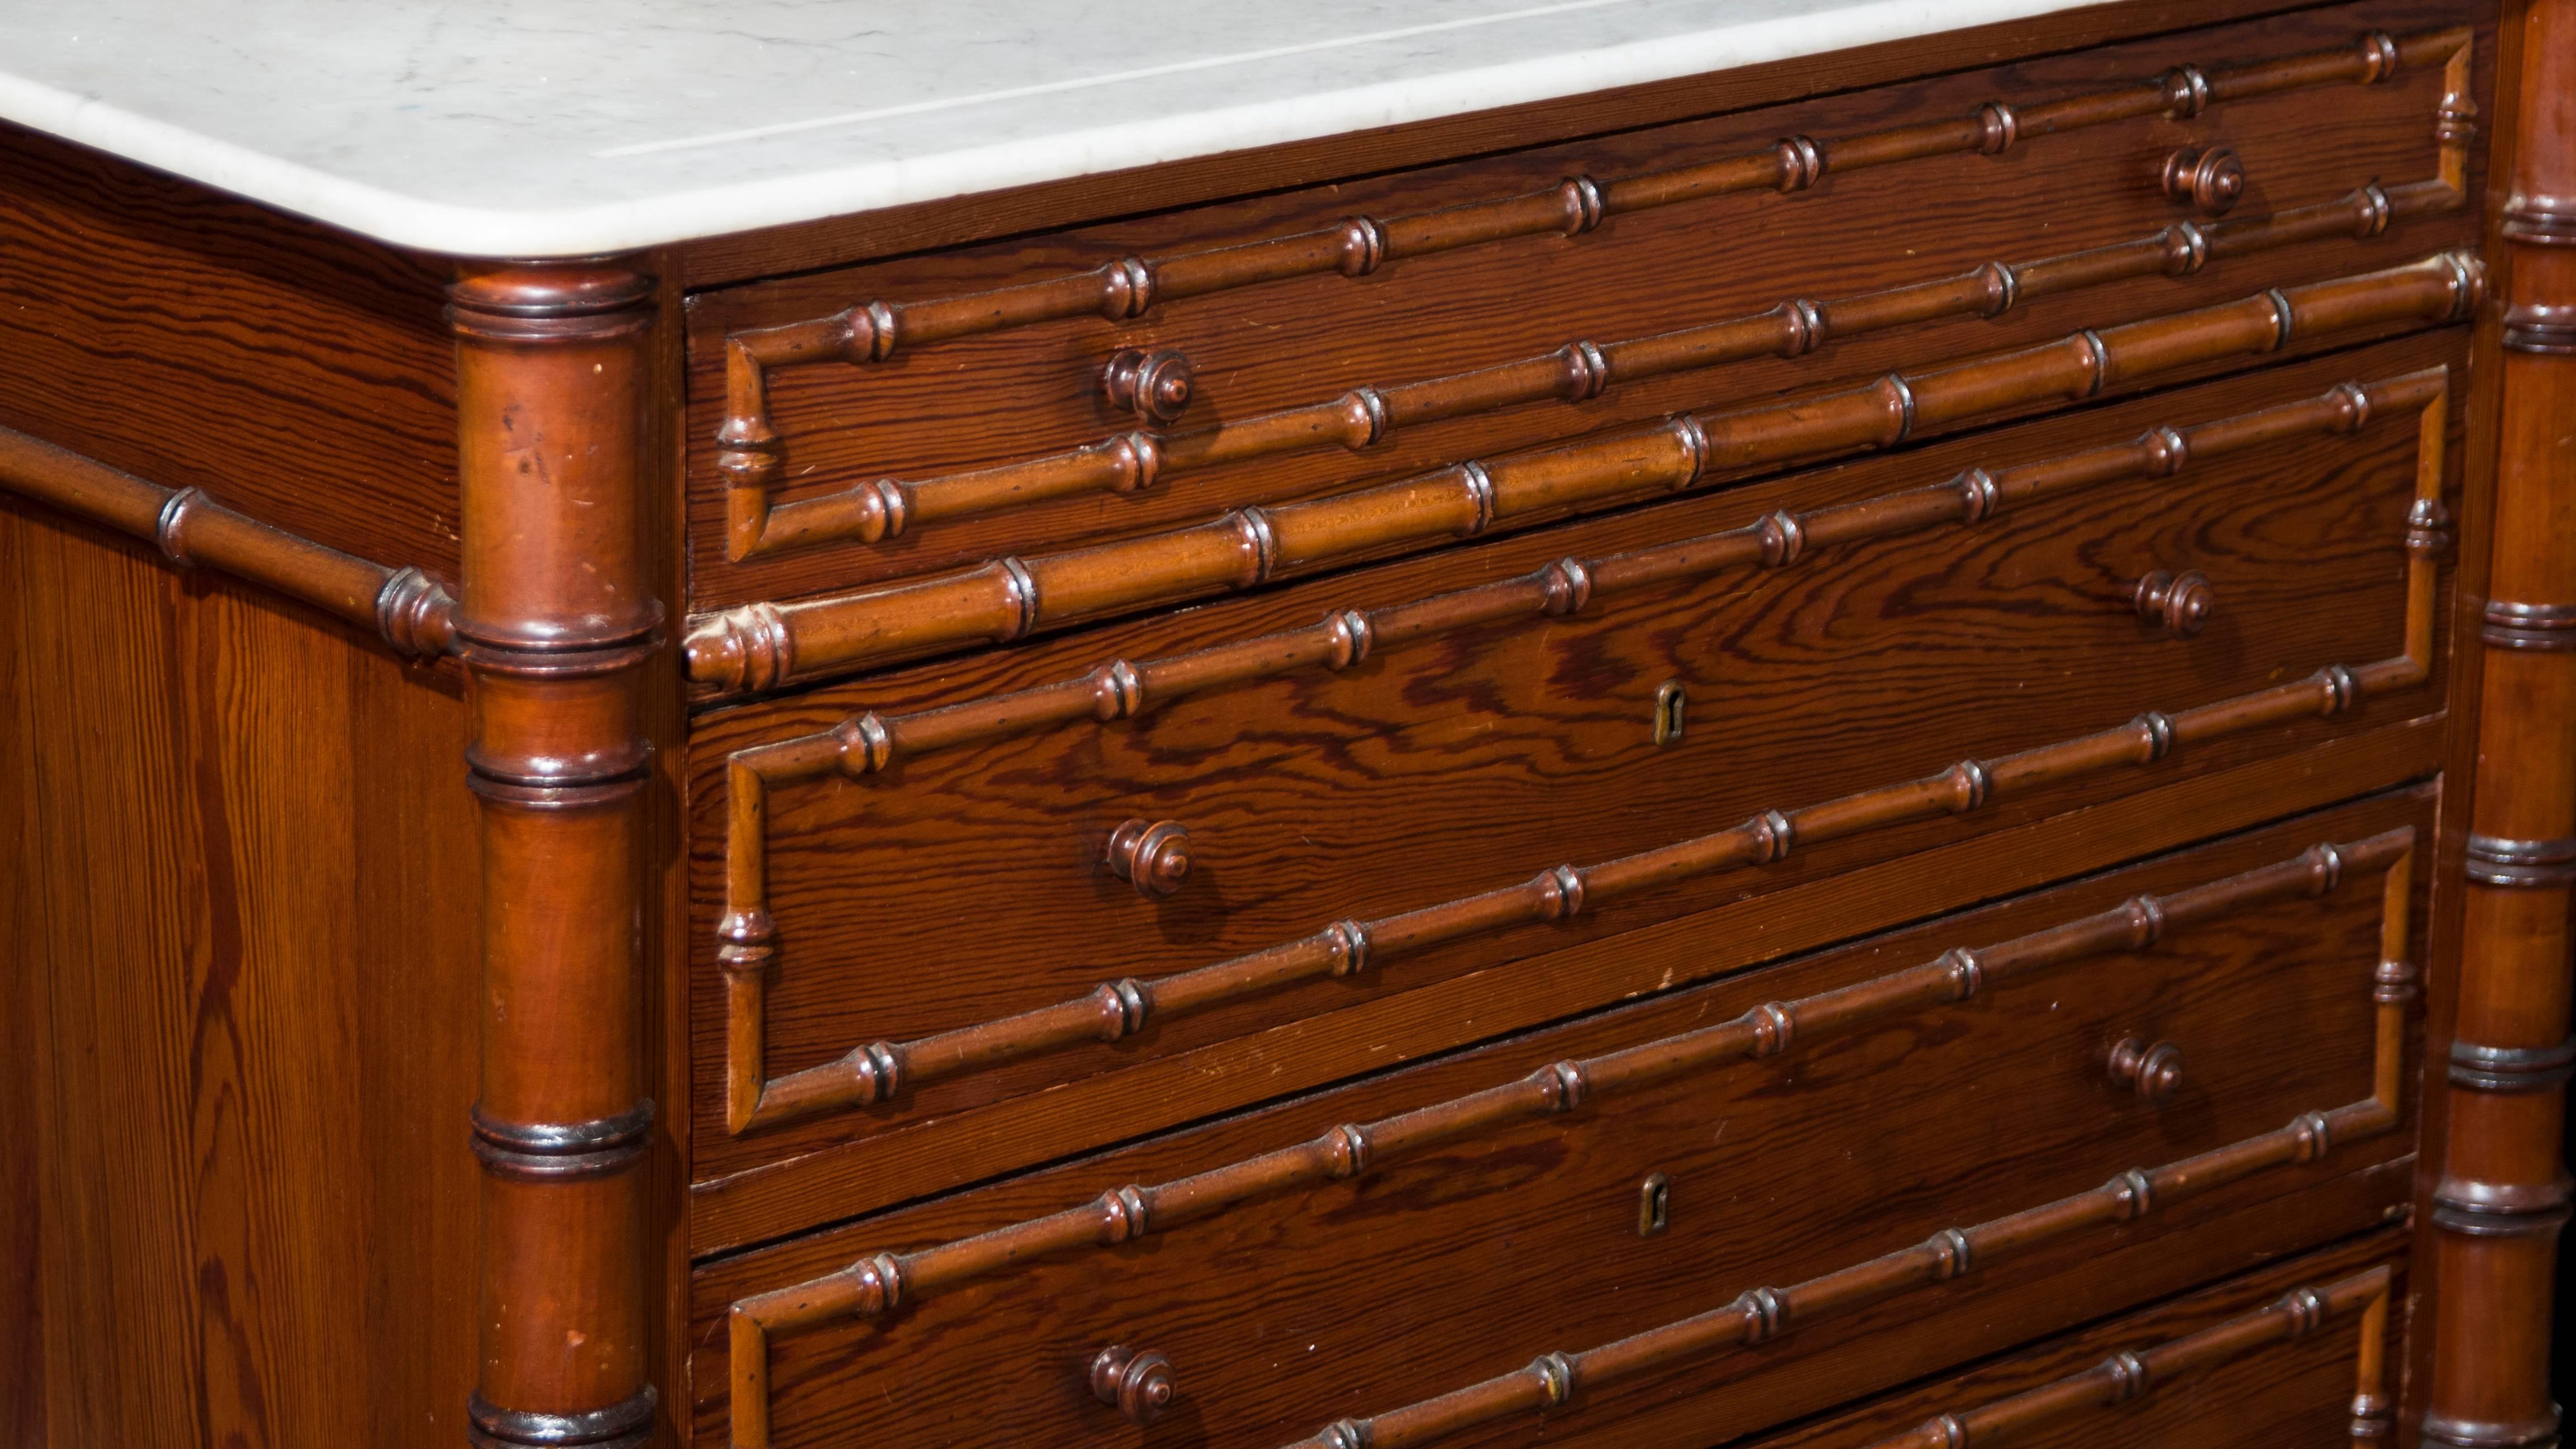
x=867 y=744
x=764 y=645
x=751 y=456
x=2132 y=1374
x=403 y=607
x=876 y=1283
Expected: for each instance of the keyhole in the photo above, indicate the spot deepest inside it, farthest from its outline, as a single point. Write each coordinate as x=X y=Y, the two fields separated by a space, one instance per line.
x=1672 y=705
x=1654 y=1201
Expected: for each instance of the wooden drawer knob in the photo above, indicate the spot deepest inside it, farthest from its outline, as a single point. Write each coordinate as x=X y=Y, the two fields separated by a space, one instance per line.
x=2211 y=179
x=1139 y=1382
x=1155 y=386
x=2180 y=602
x=2153 y=1072
x=1153 y=856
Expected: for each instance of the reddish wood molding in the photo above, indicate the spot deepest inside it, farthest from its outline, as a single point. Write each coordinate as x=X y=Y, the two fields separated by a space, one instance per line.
x=764 y=645
x=405 y=607
x=556 y=621
x=876 y=1284
x=2132 y=1374
x=752 y=457
x=869 y=743
x=2504 y=1192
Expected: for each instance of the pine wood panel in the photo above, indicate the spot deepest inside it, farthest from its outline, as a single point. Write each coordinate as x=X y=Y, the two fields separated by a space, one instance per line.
x=238 y=875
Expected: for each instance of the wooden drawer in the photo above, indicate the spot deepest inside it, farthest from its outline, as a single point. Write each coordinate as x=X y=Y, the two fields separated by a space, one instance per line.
x=914 y=416
x=1624 y=1203
x=2300 y=1353
x=910 y=890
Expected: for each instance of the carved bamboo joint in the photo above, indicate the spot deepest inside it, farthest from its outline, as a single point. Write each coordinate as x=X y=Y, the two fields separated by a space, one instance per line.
x=557 y=625
x=864 y=746
x=2132 y=1374
x=2504 y=1193
x=404 y=607
x=877 y=1283
x=763 y=646
x=751 y=455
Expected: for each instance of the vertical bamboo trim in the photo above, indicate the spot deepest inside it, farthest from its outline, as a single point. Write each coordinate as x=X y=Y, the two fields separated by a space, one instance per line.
x=865 y=745
x=2504 y=1193
x=557 y=623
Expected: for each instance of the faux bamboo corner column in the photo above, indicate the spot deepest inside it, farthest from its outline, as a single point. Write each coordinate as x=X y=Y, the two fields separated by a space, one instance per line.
x=2504 y=1191
x=556 y=623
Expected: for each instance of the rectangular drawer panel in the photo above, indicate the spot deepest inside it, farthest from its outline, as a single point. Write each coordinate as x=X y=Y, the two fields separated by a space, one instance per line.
x=912 y=891
x=2300 y=1353
x=917 y=415
x=1403 y=1250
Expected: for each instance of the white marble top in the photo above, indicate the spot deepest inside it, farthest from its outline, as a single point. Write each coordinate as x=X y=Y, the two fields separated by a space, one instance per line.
x=561 y=127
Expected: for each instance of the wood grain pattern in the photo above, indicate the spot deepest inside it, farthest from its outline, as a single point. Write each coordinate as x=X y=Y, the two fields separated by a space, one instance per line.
x=2301 y=1391
x=1262 y=350
x=242 y=879
x=293 y=372
x=1405 y=825
x=1543 y=1211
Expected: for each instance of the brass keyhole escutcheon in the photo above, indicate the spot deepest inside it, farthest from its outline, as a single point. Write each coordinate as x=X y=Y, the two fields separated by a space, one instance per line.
x=1672 y=710
x=1654 y=1204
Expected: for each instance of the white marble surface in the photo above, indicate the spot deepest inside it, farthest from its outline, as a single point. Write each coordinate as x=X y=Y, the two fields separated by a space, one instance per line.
x=559 y=127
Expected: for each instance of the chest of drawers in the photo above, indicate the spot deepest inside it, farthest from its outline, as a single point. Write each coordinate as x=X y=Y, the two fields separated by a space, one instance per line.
x=1790 y=733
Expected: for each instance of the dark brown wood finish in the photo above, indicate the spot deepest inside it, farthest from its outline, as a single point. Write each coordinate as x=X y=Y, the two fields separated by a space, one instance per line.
x=1530 y=1172
x=925 y=416
x=1610 y=773
x=2504 y=1191
x=557 y=623
x=1407 y=846
x=2262 y=1369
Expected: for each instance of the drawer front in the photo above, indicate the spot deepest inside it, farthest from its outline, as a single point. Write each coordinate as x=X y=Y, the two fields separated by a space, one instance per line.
x=2300 y=1353
x=1620 y=1202
x=918 y=416
x=909 y=913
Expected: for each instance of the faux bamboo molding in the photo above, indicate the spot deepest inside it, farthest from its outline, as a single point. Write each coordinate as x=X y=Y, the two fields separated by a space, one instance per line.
x=2504 y=1191
x=875 y=1284
x=752 y=457
x=405 y=607
x=764 y=645
x=867 y=744
x=2132 y=1374
x=556 y=625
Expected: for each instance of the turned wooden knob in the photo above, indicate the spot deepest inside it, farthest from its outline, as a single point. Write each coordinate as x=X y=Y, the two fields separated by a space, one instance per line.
x=2153 y=1072
x=1153 y=856
x=2180 y=602
x=1139 y=1382
x=2212 y=180
x=1155 y=386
